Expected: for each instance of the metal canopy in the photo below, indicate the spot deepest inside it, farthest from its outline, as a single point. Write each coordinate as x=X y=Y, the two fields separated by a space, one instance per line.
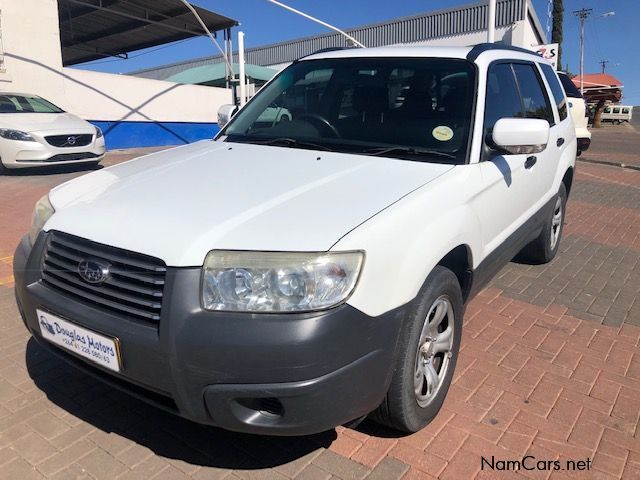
x=93 y=29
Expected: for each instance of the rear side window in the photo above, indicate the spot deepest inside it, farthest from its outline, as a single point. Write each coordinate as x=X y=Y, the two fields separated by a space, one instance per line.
x=535 y=101
x=625 y=110
x=503 y=99
x=556 y=89
x=569 y=87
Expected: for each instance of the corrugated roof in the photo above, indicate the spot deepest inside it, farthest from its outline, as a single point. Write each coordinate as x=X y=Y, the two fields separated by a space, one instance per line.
x=437 y=24
x=206 y=74
x=93 y=29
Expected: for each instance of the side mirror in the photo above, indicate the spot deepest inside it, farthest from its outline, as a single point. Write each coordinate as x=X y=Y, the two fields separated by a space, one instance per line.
x=520 y=135
x=225 y=114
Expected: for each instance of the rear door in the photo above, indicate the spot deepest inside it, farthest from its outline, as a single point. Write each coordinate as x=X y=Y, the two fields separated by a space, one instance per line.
x=563 y=133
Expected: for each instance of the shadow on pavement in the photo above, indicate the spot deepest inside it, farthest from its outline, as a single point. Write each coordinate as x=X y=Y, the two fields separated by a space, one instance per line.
x=167 y=435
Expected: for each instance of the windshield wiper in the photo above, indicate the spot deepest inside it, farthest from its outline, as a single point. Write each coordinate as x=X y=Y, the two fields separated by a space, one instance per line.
x=289 y=142
x=398 y=150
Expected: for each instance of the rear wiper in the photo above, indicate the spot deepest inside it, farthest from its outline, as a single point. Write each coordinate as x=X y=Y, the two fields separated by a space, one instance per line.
x=291 y=142
x=407 y=151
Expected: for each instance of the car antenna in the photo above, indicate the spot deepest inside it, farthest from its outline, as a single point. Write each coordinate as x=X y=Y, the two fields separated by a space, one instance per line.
x=325 y=24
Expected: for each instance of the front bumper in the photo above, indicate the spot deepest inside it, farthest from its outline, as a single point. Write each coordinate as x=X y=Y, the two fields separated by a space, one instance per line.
x=18 y=154
x=282 y=374
x=583 y=144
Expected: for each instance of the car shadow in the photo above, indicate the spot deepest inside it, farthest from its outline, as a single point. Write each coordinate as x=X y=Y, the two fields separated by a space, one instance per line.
x=167 y=435
x=51 y=170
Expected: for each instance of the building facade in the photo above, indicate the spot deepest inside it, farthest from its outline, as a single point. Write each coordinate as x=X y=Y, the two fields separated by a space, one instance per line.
x=132 y=111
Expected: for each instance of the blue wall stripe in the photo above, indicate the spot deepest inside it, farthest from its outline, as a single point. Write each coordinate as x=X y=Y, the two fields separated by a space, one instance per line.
x=152 y=134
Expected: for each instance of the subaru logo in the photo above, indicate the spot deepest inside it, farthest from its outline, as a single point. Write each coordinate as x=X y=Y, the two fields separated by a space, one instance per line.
x=92 y=271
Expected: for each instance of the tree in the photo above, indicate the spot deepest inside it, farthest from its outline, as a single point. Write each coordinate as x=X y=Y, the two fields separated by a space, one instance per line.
x=556 y=30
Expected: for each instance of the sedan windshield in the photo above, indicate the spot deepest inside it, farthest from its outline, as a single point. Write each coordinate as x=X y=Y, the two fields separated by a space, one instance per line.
x=410 y=108
x=10 y=103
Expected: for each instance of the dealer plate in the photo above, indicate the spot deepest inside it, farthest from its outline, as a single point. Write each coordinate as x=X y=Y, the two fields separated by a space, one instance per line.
x=99 y=349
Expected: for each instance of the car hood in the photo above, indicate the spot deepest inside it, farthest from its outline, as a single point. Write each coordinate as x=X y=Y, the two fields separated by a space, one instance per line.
x=41 y=122
x=179 y=204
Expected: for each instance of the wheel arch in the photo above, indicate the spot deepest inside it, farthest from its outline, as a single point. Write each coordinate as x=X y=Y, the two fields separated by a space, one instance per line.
x=567 y=180
x=460 y=261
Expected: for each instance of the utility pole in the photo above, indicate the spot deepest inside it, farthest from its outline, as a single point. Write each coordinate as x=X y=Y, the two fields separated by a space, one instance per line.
x=582 y=14
x=604 y=64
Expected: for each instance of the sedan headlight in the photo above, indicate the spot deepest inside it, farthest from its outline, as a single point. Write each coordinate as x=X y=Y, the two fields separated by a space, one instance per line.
x=278 y=281
x=98 y=132
x=15 y=135
x=41 y=213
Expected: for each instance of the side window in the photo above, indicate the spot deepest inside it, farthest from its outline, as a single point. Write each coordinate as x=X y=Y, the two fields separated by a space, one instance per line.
x=616 y=110
x=503 y=99
x=607 y=110
x=625 y=110
x=536 y=103
x=556 y=89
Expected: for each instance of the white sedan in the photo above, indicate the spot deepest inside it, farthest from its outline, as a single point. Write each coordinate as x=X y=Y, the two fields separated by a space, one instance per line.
x=34 y=132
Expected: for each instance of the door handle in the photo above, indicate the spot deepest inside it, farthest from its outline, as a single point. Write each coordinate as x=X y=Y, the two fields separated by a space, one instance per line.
x=560 y=142
x=530 y=162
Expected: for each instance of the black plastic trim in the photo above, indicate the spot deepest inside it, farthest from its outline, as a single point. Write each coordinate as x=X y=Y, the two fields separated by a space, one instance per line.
x=480 y=48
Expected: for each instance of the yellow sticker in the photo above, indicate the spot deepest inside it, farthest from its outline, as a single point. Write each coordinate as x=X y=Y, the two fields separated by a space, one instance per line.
x=442 y=133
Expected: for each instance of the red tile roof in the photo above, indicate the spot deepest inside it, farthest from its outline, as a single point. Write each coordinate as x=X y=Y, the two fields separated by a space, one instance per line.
x=592 y=80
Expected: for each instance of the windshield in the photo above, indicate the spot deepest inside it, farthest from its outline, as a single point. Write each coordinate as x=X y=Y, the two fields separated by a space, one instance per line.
x=414 y=108
x=10 y=103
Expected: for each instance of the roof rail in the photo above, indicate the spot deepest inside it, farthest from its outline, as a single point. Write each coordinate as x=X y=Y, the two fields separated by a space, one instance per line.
x=484 y=47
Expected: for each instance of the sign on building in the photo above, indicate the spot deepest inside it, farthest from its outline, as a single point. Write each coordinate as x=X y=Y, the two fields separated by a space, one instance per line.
x=549 y=52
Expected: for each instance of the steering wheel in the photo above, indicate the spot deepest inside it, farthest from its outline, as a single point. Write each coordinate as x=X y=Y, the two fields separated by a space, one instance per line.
x=319 y=120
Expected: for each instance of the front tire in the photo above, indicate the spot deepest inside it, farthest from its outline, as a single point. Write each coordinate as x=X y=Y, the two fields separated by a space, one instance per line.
x=544 y=248
x=427 y=354
x=3 y=169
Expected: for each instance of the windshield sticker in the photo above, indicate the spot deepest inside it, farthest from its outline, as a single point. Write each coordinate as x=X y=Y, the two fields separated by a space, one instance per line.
x=442 y=133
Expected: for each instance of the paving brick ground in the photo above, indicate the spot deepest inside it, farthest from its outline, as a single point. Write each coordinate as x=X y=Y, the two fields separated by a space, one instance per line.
x=549 y=367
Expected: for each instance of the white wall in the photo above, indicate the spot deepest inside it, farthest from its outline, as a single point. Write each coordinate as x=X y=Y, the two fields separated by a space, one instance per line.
x=33 y=64
x=103 y=96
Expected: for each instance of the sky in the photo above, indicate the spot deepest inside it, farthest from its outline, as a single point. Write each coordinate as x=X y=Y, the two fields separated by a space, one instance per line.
x=615 y=38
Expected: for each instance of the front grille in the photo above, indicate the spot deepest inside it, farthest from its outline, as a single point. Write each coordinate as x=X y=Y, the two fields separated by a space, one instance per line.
x=69 y=141
x=66 y=157
x=133 y=288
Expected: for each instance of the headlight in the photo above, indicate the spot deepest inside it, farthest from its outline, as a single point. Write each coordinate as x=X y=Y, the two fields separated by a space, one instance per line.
x=41 y=213
x=98 y=132
x=15 y=135
x=278 y=281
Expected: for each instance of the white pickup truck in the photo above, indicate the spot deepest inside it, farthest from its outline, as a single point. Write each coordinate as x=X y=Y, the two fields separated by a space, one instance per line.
x=294 y=275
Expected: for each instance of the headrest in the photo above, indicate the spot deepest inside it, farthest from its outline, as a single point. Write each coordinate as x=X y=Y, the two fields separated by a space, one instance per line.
x=7 y=106
x=371 y=99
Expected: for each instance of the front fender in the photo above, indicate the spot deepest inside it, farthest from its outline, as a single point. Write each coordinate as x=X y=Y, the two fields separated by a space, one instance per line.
x=405 y=242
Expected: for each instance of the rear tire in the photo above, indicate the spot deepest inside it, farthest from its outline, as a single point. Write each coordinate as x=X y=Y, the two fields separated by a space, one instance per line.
x=427 y=355
x=544 y=248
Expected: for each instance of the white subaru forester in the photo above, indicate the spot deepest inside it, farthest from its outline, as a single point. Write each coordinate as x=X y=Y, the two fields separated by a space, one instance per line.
x=311 y=264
